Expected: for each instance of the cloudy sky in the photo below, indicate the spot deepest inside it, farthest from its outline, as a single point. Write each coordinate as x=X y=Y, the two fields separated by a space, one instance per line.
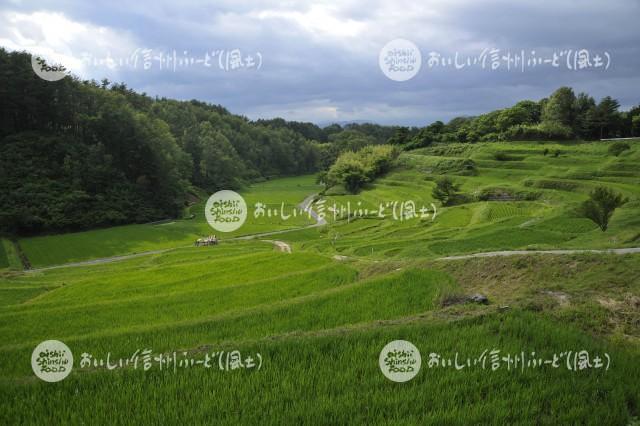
x=319 y=61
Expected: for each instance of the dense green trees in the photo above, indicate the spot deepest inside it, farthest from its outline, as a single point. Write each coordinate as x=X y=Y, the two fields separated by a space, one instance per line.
x=618 y=148
x=219 y=165
x=352 y=137
x=562 y=116
x=559 y=108
x=354 y=169
x=635 y=125
x=79 y=154
x=607 y=118
x=308 y=130
x=445 y=190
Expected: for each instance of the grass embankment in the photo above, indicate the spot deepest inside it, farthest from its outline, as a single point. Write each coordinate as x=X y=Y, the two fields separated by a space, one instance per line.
x=319 y=326
x=73 y=247
x=320 y=323
x=555 y=185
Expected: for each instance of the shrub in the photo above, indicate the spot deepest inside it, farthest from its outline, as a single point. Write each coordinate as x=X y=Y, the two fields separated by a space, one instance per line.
x=445 y=190
x=355 y=169
x=618 y=148
x=490 y=137
x=348 y=170
x=452 y=150
x=556 y=184
x=537 y=132
x=465 y=167
x=600 y=206
x=468 y=167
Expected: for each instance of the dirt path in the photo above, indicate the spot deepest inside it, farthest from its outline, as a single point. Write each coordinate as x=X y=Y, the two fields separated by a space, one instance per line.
x=281 y=245
x=102 y=260
x=284 y=247
x=529 y=252
x=305 y=205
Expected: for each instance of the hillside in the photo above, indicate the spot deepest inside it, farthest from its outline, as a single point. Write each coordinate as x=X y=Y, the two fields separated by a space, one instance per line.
x=320 y=315
x=556 y=185
x=78 y=155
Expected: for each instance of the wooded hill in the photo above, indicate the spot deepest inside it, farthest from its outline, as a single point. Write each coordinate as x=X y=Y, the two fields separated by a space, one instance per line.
x=82 y=154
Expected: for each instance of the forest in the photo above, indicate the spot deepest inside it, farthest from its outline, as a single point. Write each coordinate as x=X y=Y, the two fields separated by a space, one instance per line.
x=80 y=154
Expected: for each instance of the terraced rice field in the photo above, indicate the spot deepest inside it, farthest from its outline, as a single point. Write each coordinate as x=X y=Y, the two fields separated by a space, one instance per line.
x=315 y=320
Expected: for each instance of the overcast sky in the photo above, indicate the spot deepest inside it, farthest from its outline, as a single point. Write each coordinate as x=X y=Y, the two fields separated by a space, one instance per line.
x=318 y=61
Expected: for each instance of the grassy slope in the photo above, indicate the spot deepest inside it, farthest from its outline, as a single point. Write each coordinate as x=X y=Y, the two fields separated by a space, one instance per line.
x=73 y=247
x=320 y=323
x=319 y=329
x=548 y=222
x=335 y=380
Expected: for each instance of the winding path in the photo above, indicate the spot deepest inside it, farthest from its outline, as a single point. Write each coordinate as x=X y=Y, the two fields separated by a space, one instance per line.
x=528 y=252
x=282 y=246
x=305 y=205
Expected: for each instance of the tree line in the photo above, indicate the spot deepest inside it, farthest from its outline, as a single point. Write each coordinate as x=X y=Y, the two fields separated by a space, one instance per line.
x=562 y=116
x=78 y=154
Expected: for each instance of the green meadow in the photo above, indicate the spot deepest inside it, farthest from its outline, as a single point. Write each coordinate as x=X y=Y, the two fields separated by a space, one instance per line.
x=555 y=185
x=79 y=246
x=320 y=315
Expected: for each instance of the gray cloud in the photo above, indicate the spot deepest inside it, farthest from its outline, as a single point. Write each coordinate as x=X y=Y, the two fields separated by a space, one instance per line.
x=320 y=60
